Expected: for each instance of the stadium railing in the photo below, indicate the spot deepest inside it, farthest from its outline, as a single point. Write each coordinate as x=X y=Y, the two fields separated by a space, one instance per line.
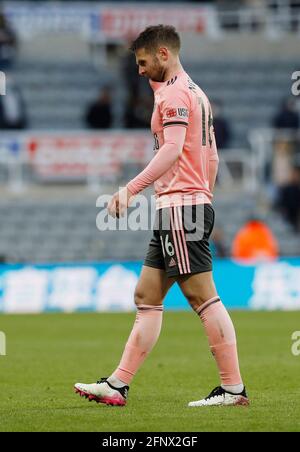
x=95 y=157
x=112 y=21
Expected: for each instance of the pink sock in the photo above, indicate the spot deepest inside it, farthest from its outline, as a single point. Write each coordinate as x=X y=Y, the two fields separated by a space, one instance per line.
x=222 y=340
x=142 y=339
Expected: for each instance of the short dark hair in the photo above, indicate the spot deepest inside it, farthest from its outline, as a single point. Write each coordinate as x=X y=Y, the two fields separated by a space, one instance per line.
x=155 y=36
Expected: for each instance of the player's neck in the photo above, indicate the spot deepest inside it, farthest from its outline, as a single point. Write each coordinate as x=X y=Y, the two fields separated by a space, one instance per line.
x=173 y=70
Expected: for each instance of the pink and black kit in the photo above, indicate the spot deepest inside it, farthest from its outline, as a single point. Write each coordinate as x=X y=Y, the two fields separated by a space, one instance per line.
x=184 y=145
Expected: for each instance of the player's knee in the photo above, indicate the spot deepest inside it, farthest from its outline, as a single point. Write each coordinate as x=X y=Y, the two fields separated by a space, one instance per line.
x=195 y=301
x=141 y=297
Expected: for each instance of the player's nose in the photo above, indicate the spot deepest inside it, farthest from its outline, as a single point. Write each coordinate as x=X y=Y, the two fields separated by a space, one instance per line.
x=141 y=71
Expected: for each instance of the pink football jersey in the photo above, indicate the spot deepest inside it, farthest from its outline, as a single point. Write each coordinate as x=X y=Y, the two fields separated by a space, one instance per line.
x=181 y=102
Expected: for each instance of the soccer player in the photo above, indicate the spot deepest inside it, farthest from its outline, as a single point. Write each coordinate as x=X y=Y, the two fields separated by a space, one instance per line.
x=183 y=171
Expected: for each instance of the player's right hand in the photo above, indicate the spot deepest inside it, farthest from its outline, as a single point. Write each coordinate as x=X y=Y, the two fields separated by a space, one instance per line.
x=119 y=203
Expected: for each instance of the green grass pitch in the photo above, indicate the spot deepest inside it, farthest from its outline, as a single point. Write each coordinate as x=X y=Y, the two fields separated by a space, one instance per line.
x=47 y=354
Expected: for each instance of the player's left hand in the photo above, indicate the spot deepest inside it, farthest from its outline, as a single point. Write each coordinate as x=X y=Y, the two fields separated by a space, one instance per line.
x=119 y=203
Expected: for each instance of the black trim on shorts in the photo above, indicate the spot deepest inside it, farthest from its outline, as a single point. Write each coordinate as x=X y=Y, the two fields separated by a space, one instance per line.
x=148 y=263
x=194 y=272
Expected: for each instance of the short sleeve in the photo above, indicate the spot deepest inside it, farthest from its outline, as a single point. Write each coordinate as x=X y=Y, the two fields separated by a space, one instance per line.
x=175 y=108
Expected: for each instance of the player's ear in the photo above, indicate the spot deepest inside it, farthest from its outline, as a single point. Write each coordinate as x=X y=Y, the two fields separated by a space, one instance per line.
x=163 y=53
